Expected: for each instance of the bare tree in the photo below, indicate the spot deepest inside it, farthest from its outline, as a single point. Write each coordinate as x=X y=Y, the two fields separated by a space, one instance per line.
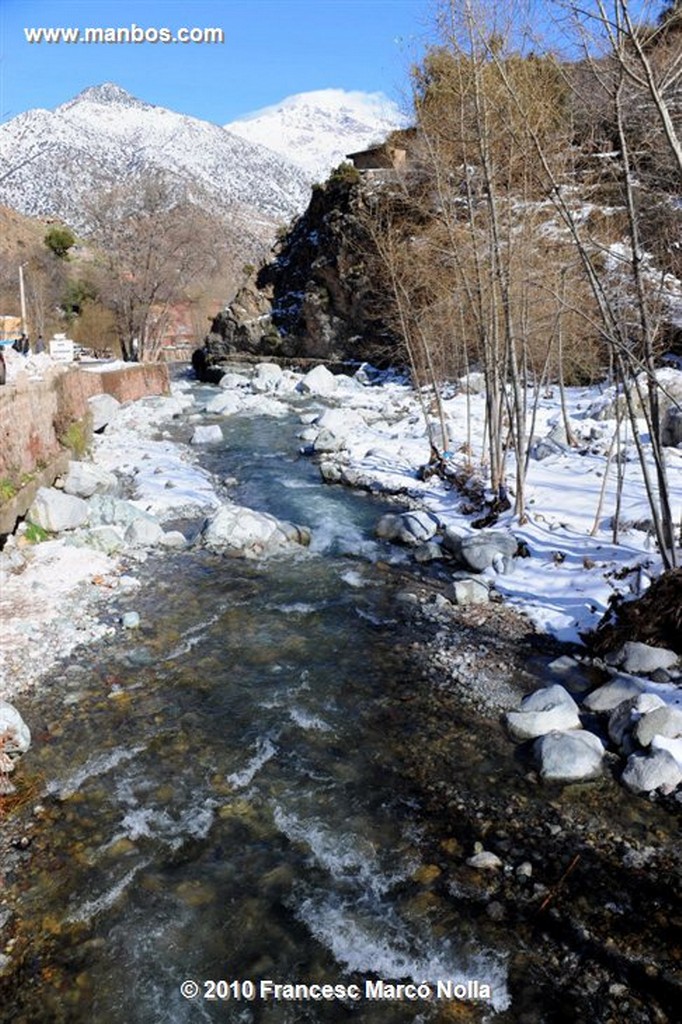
x=152 y=245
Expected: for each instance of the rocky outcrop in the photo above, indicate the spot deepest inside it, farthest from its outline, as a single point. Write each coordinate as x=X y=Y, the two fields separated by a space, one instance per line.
x=316 y=299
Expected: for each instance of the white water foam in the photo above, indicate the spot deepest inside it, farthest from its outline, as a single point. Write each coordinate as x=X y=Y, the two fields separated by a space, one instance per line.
x=194 y=635
x=98 y=765
x=157 y=823
x=265 y=750
x=91 y=908
x=349 y=858
x=378 y=945
x=307 y=721
x=353 y=578
x=296 y=608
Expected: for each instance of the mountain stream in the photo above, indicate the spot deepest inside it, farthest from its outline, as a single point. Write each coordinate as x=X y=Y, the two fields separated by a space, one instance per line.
x=220 y=803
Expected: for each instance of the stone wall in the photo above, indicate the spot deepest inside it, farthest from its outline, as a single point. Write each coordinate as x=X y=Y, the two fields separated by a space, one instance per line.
x=35 y=416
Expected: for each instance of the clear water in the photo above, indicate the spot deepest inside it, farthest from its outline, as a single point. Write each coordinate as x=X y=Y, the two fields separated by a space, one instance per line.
x=223 y=800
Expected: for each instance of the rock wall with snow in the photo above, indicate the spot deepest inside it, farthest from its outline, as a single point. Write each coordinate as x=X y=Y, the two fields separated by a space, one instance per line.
x=316 y=299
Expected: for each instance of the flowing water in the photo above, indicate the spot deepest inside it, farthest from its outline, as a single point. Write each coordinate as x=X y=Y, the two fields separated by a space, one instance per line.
x=222 y=800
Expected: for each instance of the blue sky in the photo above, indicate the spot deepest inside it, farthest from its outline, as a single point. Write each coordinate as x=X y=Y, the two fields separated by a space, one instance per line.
x=272 y=49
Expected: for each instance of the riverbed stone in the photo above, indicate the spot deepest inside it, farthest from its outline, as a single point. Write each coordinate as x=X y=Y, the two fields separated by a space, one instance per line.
x=655 y=771
x=485 y=860
x=106 y=510
x=411 y=528
x=210 y=434
x=83 y=479
x=318 y=381
x=452 y=540
x=551 y=709
x=224 y=404
x=489 y=548
x=11 y=721
x=642 y=659
x=55 y=511
x=266 y=377
x=671 y=427
x=624 y=717
x=471 y=591
x=429 y=552
x=569 y=756
x=174 y=539
x=130 y=620
x=610 y=695
x=325 y=442
x=662 y=721
x=107 y=539
x=244 y=532
x=103 y=409
x=144 y=533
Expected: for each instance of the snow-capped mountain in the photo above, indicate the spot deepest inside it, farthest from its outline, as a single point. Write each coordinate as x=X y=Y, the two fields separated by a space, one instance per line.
x=316 y=130
x=63 y=158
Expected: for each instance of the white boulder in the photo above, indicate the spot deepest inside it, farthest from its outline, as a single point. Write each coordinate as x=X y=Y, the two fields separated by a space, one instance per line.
x=244 y=532
x=488 y=548
x=569 y=756
x=55 y=511
x=551 y=709
x=144 y=533
x=266 y=378
x=211 y=434
x=412 y=528
x=19 y=739
x=471 y=591
x=658 y=770
x=103 y=408
x=662 y=721
x=225 y=403
x=318 y=381
x=637 y=658
x=84 y=479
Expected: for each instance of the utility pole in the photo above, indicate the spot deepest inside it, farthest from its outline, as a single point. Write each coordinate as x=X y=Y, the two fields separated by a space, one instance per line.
x=22 y=295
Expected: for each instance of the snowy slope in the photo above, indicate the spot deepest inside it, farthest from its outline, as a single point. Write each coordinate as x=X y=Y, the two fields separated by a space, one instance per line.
x=64 y=157
x=316 y=130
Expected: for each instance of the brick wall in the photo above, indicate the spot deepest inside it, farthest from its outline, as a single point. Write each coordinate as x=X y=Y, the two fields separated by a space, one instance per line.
x=33 y=413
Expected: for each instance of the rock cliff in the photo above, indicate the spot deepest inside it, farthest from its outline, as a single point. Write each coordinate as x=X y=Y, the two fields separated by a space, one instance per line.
x=317 y=298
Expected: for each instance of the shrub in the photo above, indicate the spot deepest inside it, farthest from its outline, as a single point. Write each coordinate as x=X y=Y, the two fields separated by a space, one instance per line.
x=75 y=437
x=59 y=240
x=35 y=534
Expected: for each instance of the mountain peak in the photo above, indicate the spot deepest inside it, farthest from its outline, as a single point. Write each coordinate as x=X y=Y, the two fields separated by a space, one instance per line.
x=317 y=129
x=108 y=93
